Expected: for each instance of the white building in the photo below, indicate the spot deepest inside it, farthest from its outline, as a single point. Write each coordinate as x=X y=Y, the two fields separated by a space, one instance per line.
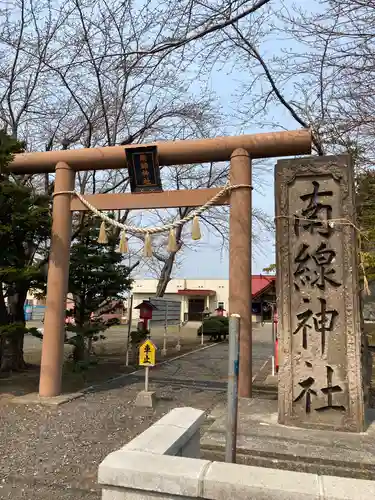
x=198 y=294
x=195 y=295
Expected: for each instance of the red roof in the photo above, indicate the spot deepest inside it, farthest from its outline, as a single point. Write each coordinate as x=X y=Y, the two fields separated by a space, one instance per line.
x=259 y=283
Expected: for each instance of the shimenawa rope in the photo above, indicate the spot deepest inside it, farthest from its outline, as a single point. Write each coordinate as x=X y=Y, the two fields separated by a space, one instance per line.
x=147 y=232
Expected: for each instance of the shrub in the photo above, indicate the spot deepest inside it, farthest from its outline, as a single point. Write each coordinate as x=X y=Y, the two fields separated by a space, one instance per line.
x=138 y=336
x=224 y=320
x=215 y=327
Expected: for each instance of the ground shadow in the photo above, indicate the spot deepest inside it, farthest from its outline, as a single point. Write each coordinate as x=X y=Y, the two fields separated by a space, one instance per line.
x=106 y=371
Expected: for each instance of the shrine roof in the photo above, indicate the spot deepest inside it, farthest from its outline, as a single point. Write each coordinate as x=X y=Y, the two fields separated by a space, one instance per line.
x=260 y=283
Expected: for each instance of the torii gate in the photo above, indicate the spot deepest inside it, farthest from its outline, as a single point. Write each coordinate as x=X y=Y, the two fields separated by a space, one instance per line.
x=65 y=163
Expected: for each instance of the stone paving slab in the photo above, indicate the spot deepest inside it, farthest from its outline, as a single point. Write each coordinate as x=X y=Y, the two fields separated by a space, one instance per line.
x=261 y=441
x=211 y=364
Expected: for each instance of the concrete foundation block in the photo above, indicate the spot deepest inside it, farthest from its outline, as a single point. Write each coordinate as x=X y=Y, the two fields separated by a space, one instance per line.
x=186 y=418
x=155 y=473
x=262 y=441
x=146 y=399
x=192 y=449
x=218 y=411
x=33 y=398
x=342 y=488
x=113 y=493
x=223 y=481
x=159 y=440
x=171 y=435
x=155 y=465
x=125 y=494
x=271 y=380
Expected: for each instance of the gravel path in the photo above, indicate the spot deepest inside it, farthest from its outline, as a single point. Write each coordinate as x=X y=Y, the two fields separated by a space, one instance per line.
x=54 y=453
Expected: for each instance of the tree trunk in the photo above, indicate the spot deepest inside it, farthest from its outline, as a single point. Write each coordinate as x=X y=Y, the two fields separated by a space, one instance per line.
x=12 y=358
x=165 y=275
x=3 y=321
x=12 y=345
x=82 y=349
x=89 y=346
x=79 y=351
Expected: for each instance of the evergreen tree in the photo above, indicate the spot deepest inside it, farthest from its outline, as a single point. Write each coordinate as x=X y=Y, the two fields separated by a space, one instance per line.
x=98 y=280
x=270 y=269
x=24 y=226
x=366 y=219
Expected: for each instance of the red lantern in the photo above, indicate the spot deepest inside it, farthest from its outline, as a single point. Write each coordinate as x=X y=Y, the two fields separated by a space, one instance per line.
x=145 y=312
x=145 y=309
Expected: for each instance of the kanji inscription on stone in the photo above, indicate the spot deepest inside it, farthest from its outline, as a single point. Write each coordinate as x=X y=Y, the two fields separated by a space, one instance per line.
x=321 y=322
x=315 y=215
x=320 y=372
x=314 y=397
x=315 y=267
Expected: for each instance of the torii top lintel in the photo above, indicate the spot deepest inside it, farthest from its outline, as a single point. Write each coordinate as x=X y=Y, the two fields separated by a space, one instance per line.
x=265 y=145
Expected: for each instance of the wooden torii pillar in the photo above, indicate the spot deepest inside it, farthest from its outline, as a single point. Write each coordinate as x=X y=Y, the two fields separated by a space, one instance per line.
x=239 y=150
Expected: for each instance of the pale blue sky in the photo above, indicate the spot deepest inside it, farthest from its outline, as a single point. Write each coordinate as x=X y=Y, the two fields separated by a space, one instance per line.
x=210 y=260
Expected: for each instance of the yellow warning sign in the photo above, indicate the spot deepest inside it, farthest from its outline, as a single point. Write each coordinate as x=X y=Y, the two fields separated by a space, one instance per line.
x=147 y=353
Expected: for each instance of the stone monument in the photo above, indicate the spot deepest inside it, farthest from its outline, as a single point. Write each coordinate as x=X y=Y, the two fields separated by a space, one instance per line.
x=320 y=362
x=316 y=422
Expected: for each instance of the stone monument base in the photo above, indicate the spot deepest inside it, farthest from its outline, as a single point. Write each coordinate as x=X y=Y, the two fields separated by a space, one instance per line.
x=145 y=399
x=261 y=441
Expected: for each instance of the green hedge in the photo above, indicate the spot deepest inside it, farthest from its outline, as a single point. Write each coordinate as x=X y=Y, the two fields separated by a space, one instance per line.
x=223 y=319
x=216 y=325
